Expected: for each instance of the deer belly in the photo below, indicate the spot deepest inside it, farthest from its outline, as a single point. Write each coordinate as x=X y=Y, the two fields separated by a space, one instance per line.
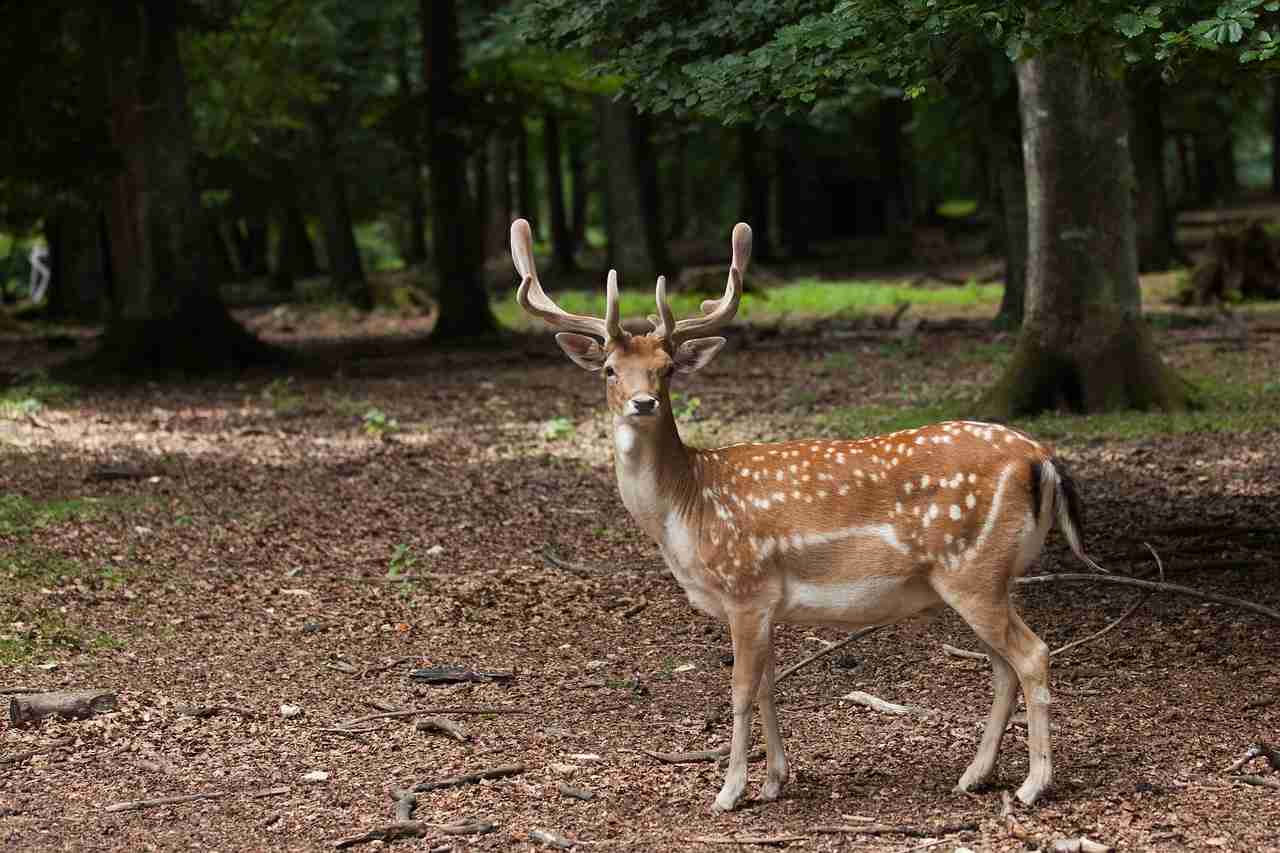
x=864 y=601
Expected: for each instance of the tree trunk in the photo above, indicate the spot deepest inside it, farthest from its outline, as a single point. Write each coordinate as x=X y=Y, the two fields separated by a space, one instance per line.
x=77 y=265
x=1003 y=141
x=295 y=254
x=464 y=306
x=1083 y=342
x=1151 y=197
x=254 y=246
x=415 y=247
x=755 y=168
x=525 y=205
x=561 y=237
x=632 y=219
x=166 y=311
x=799 y=191
x=222 y=255
x=497 y=195
x=346 y=270
x=1275 y=136
x=581 y=190
x=895 y=164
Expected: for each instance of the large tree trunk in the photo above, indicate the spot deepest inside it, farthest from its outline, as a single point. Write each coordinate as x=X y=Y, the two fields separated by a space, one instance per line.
x=1003 y=141
x=166 y=311
x=1151 y=198
x=497 y=193
x=581 y=193
x=464 y=306
x=254 y=245
x=295 y=253
x=561 y=236
x=1083 y=343
x=633 y=221
x=755 y=168
x=346 y=270
x=525 y=207
x=78 y=289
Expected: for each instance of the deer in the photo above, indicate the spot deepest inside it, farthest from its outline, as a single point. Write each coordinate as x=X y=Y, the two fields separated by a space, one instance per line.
x=849 y=533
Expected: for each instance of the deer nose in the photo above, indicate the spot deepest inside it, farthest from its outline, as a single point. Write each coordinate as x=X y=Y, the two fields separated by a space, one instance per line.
x=645 y=405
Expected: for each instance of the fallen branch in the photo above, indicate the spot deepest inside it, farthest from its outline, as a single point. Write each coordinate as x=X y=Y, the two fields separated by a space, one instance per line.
x=826 y=650
x=470 y=778
x=415 y=829
x=635 y=608
x=1142 y=599
x=1177 y=589
x=744 y=839
x=440 y=724
x=564 y=565
x=550 y=839
x=134 y=805
x=696 y=757
x=1265 y=702
x=1258 y=750
x=875 y=703
x=418 y=712
x=1261 y=781
x=888 y=829
x=955 y=652
x=406 y=802
x=71 y=705
x=1080 y=845
x=575 y=793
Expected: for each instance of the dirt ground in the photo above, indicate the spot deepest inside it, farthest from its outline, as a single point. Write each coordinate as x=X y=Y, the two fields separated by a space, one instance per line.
x=259 y=543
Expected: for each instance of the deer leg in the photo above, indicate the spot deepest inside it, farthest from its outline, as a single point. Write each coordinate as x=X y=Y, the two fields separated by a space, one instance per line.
x=1005 y=683
x=1030 y=658
x=776 y=758
x=750 y=631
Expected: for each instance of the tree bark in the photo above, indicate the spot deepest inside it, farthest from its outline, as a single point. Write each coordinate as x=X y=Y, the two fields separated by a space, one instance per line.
x=1275 y=136
x=346 y=270
x=295 y=253
x=497 y=195
x=77 y=264
x=580 y=177
x=756 y=170
x=1083 y=343
x=464 y=306
x=525 y=205
x=561 y=236
x=633 y=222
x=1003 y=141
x=1151 y=198
x=255 y=246
x=166 y=311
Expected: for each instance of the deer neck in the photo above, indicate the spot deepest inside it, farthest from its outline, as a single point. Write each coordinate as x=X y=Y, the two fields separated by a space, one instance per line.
x=655 y=473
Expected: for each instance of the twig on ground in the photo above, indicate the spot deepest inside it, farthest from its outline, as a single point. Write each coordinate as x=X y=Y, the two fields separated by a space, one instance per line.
x=470 y=778
x=134 y=805
x=1265 y=702
x=406 y=802
x=415 y=829
x=955 y=652
x=1080 y=845
x=635 y=608
x=343 y=666
x=564 y=565
x=743 y=839
x=1142 y=599
x=1258 y=750
x=875 y=703
x=826 y=650
x=373 y=670
x=1261 y=781
x=201 y=713
x=888 y=829
x=688 y=757
x=440 y=724
x=418 y=712
x=1178 y=589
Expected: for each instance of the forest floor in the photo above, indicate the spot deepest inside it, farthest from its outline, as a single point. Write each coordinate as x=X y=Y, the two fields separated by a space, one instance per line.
x=251 y=563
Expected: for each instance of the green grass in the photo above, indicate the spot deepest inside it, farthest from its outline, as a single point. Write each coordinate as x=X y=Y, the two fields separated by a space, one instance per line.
x=806 y=297
x=1223 y=406
x=19 y=516
x=29 y=397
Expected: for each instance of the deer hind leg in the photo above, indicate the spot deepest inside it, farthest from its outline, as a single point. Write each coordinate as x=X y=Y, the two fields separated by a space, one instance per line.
x=991 y=616
x=1005 y=682
x=751 y=633
x=776 y=758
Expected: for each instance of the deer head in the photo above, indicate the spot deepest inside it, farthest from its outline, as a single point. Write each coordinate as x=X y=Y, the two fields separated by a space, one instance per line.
x=637 y=368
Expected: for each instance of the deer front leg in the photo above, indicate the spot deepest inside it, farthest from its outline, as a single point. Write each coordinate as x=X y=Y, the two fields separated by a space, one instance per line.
x=776 y=757
x=750 y=631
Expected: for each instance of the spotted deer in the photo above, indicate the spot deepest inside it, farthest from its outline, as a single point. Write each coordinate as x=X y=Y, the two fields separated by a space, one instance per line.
x=823 y=532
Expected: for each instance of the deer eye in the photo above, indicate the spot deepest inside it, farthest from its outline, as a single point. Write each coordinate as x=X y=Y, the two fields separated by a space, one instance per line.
x=608 y=371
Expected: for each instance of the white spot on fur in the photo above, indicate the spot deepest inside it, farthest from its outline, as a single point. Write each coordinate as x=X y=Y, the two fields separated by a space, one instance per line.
x=955 y=513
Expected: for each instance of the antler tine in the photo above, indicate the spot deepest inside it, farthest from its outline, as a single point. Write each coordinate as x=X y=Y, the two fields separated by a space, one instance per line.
x=664 y=323
x=718 y=312
x=612 y=312
x=534 y=300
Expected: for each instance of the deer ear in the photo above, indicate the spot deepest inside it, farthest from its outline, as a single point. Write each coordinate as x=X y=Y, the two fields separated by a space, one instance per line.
x=696 y=354
x=584 y=351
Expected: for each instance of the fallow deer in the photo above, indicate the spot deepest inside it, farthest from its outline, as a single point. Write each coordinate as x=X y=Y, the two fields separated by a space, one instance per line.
x=833 y=532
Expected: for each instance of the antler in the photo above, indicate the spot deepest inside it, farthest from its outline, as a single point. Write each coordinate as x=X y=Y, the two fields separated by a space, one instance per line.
x=535 y=301
x=716 y=312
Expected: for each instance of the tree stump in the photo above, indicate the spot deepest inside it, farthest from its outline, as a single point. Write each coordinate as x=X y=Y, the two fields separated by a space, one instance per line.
x=70 y=704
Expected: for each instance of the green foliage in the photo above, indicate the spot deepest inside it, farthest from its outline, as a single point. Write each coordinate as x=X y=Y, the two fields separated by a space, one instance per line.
x=807 y=297
x=378 y=424
x=557 y=428
x=281 y=396
x=402 y=562
x=684 y=406
x=32 y=395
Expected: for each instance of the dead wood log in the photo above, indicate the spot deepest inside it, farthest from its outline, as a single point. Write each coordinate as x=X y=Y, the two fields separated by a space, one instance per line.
x=875 y=703
x=575 y=793
x=550 y=839
x=70 y=704
x=470 y=778
x=134 y=805
x=442 y=725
